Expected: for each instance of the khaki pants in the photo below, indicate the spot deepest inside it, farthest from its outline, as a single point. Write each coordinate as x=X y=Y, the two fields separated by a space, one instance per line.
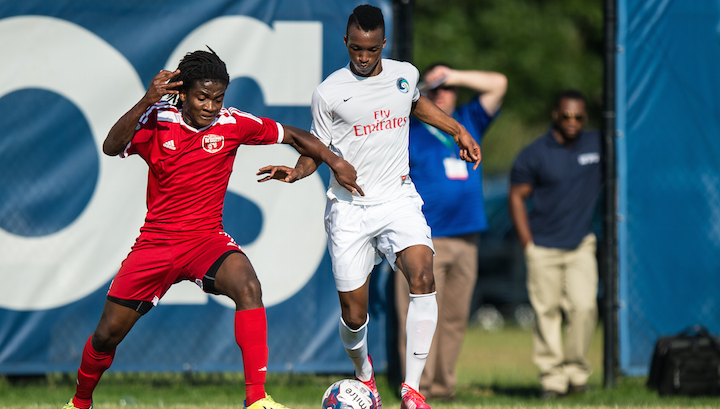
x=455 y=269
x=563 y=281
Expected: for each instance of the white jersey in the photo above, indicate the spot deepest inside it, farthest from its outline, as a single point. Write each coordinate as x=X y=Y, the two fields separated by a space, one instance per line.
x=365 y=120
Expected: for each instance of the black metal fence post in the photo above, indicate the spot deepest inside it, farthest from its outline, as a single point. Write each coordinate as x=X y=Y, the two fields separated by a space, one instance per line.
x=609 y=263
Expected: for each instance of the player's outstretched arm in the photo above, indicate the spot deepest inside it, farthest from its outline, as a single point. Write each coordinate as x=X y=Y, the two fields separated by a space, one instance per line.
x=305 y=166
x=426 y=111
x=315 y=151
x=124 y=129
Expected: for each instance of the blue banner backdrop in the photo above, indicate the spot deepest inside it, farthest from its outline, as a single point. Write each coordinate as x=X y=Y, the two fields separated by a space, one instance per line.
x=69 y=214
x=668 y=145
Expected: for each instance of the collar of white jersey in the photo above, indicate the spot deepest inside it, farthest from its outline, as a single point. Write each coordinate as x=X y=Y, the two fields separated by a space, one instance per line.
x=370 y=78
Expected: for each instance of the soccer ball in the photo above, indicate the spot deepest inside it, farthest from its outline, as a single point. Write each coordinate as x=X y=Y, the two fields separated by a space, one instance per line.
x=348 y=394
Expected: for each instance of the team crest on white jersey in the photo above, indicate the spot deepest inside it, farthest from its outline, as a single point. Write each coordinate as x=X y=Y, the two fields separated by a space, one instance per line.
x=403 y=85
x=213 y=143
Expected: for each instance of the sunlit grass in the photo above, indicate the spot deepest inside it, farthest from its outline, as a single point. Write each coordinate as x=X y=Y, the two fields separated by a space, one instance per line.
x=495 y=371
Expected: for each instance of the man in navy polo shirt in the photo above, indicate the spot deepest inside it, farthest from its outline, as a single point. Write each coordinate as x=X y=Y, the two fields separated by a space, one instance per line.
x=560 y=173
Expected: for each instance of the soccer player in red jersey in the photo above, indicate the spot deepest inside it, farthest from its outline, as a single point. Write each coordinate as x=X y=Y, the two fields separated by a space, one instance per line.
x=189 y=142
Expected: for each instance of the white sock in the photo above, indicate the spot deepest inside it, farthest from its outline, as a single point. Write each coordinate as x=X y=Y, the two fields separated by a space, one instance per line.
x=420 y=327
x=355 y=343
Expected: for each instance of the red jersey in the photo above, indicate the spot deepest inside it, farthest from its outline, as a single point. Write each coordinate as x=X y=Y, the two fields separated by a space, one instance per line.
x=190 y=168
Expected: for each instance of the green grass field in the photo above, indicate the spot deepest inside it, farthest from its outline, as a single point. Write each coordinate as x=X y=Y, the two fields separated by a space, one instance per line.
x=495 y=371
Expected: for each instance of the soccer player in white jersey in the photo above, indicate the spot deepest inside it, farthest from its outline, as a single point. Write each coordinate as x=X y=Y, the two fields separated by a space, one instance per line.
x=361 y=112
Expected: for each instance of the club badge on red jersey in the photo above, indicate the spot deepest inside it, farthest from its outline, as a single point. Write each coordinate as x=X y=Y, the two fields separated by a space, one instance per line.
x=213 y=143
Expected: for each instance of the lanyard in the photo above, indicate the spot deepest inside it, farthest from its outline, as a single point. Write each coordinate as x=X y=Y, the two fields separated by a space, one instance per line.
x=442 y=137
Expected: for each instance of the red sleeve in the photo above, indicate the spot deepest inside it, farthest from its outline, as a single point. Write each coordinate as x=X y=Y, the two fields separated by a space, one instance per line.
x=145 y=130
x=257 y=131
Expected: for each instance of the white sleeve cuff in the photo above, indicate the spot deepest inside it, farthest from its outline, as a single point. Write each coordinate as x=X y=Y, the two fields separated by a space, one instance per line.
x=124 y=154
x=281 y=132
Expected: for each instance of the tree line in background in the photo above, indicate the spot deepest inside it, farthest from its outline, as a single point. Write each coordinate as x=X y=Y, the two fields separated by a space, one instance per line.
x=542 y=46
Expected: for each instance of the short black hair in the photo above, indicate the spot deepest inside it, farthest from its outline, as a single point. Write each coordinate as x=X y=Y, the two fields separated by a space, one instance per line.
x=199 y=65
x=569 y=94
x=367 y=18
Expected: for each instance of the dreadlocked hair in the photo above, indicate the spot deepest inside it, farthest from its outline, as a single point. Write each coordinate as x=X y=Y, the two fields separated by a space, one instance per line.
x=367 y=17
x=199 y=66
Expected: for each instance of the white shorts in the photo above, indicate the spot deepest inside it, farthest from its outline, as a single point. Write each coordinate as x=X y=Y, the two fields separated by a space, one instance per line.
x=357 y=235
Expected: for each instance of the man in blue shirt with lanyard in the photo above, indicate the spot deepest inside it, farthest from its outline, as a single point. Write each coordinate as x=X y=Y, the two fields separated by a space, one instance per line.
x=454 y=209
x=560 y=173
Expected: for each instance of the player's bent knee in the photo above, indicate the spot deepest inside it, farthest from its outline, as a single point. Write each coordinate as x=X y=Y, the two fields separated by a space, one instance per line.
x=104 y=341
x=355 y=321
x=250 y=289
x=422 y=284
x=246 y=294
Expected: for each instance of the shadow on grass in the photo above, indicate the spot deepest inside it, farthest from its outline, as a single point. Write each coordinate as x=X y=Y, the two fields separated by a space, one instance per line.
x=516 y=391
x=479 y=390
x=26 y=380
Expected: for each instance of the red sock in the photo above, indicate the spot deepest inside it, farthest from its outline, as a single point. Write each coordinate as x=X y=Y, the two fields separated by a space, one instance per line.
x=251 y=337
x=92 y=366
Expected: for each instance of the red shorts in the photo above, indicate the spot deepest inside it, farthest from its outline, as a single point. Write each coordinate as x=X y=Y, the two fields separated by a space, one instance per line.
x=154 y=264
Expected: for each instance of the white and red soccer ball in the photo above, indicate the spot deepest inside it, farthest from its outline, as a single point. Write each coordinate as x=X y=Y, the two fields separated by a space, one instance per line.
x=348 y=394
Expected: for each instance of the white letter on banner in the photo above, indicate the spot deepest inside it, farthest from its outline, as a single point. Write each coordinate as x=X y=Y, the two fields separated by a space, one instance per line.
x=286 y=63
x=54 y=270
